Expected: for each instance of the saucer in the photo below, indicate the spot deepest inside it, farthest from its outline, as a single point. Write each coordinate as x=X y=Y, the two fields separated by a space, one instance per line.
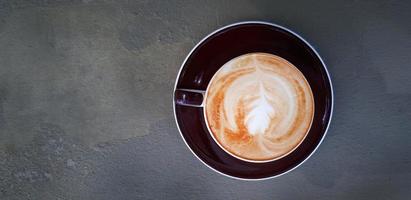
x=213 y=52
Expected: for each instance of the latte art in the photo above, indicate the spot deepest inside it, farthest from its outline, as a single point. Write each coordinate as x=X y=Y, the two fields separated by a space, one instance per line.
x=259 y=107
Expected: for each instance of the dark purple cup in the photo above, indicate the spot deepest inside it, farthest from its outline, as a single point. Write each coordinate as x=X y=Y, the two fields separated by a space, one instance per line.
x=213 y=52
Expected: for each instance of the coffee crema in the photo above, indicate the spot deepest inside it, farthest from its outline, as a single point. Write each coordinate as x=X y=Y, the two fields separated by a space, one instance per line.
x=259 y=107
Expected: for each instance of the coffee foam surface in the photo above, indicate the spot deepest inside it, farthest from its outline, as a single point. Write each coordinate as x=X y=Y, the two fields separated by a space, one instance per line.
x=259 y=107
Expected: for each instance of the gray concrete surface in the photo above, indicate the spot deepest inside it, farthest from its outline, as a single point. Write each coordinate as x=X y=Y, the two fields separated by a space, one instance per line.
x=86 y=99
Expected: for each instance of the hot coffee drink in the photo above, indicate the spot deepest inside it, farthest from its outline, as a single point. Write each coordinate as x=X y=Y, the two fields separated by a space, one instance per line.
x=258 y=107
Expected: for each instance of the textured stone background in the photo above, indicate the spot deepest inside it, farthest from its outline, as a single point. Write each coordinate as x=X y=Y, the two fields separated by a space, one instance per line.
x=86 y=99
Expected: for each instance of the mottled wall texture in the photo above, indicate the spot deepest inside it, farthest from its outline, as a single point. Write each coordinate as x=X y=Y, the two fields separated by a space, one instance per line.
x=86 y=99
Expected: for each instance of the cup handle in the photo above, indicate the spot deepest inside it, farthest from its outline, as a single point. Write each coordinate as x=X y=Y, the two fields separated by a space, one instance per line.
x=189 y=97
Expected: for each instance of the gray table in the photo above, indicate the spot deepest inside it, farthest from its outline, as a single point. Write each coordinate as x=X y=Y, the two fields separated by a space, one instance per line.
x=86 y=99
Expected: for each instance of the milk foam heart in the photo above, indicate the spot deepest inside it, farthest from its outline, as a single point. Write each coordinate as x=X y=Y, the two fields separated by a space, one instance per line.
x=259 y=107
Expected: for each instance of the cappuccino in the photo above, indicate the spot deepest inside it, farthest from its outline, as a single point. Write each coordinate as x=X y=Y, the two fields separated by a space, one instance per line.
x=258 y=107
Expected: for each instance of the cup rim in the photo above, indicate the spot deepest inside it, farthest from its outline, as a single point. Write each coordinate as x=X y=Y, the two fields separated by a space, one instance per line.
x=292 y=33
x=232 y=154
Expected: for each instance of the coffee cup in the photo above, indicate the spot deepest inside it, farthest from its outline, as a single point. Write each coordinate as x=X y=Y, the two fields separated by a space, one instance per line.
x=258 y=107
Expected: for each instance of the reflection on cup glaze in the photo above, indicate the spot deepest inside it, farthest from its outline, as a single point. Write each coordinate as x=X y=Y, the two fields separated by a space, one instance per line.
x=259 y=107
